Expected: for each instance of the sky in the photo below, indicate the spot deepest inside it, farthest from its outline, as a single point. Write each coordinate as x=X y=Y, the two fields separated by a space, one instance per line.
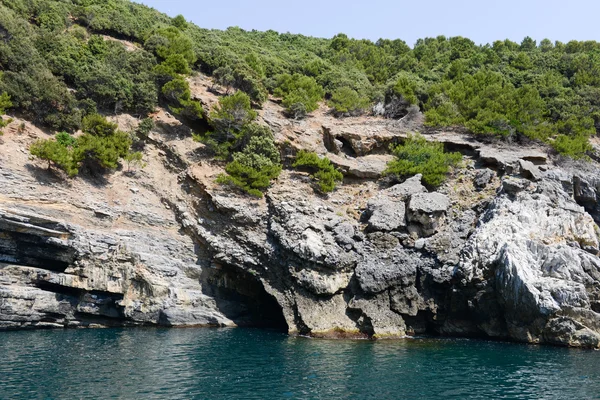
x=482 y=21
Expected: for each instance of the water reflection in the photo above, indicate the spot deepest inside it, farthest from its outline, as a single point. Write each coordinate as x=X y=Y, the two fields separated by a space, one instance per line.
x=254 y=364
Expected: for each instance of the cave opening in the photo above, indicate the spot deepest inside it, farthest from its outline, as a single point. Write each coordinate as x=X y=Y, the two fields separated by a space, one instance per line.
x=242 y=297
x=346 y=148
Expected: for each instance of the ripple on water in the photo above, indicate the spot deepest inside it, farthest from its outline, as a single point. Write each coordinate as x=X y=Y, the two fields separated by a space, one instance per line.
x=255 y=364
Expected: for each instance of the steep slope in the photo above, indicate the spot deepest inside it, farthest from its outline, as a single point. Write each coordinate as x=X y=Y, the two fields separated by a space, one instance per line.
x=506 y=248
x=505 y=252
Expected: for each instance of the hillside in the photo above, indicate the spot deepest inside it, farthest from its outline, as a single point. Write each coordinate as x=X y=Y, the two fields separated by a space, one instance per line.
x=155 y=173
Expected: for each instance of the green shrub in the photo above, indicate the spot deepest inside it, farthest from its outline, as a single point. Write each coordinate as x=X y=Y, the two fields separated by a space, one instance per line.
x=99 y=153
x=4 y=104
x=298 y=89
x=418 y=156
x=325 y=173
x=178 y=95
x=346 y=101
x=572 y=146
x=144 y=128
x=55 y=154
x=99 y=148
x=134 y=159
x=223 y=76
x=97 y=125
x=230 y=116
x=253 y=168
x=65 y=140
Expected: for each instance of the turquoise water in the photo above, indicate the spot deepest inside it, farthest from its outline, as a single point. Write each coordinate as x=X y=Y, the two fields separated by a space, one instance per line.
x=256 y=364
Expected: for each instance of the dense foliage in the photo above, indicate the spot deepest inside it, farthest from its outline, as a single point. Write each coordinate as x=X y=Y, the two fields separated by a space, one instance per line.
x=57 y=67
x=250 y=148
x=99 y=149
x=324 y=172
x=418 y=156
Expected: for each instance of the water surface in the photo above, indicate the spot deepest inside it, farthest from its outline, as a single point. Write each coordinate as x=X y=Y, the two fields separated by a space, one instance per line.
x=257 y=364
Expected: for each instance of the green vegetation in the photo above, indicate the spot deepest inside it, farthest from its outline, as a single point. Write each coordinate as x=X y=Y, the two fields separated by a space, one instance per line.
x=4 y=104
x=348 y=102
x=325 y=174
x=250 y=148
x=301 y=94
x=418 y=156
x=229 y=119
x=57 y=66
x=253 y=168
x=134 y=159
x=99 y=149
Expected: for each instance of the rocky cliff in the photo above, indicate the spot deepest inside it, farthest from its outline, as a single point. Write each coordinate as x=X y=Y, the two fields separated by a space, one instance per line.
x=507 y=248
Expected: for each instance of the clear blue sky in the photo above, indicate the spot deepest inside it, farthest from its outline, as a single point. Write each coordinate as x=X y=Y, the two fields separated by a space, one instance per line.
x=480 y=20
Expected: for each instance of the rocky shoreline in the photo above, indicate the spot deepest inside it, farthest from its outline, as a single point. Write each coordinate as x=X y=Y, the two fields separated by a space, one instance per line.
x=507 y=248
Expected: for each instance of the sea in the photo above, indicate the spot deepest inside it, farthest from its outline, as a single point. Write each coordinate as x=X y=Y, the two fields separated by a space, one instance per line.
x=240 y=363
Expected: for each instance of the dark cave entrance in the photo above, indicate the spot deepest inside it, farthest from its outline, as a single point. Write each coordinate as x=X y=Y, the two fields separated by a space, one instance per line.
x=241 y=297
x=346 y=148
x=34 y=251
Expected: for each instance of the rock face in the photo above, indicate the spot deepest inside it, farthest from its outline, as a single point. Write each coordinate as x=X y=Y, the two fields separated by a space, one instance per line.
x=427 y=211
x=536 y=254
x=58 y=275
x=515 y=258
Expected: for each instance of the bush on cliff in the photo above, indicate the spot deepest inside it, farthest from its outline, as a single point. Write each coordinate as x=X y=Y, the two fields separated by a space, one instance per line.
x=229 y=118
x=55 y=154
x=324 y=172
x=301 y=94
x=98 y=149
x=256 y=164
x=348 y=102
x=418 y=156
x=4 y=104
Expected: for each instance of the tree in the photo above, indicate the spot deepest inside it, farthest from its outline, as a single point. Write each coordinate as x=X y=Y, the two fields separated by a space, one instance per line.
x=55 y=154
x=180 y=23
x=256 y=165
x=176 y=91
x=65 y=140
x=223 y=76
x=97 y=125
x=99 y=153
x=170 y=41
x=135 y=159
x=229 y=117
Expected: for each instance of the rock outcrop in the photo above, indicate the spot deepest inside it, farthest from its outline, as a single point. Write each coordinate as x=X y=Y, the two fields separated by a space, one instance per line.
x=507 y=248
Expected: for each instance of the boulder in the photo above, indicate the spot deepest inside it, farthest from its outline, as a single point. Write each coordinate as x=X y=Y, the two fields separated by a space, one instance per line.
x=529 y=170
x=386 y=214
x=512 y=186
x=379 y=271
x=404 y=190
x=427 y=212
x=483 y=177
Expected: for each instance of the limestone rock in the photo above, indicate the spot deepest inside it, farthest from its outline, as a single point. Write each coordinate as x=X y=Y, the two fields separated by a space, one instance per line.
x=529 y=170
x=376 y=316
x=398 y=267
x=386 y=214
x=406 y=189
x=512 y=186
x=483 y=178
x=427 y=212
x=543 y=283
